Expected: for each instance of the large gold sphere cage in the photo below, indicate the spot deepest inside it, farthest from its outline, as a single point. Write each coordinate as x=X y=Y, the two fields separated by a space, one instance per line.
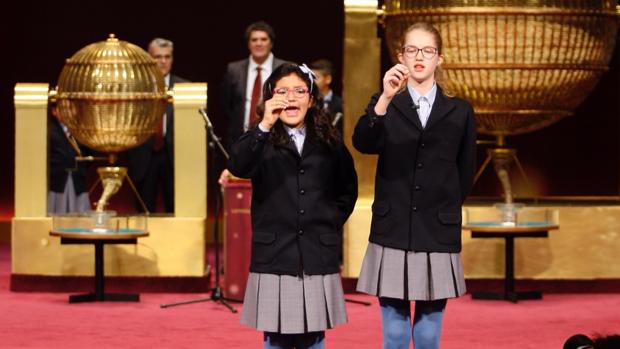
x=111 y=95
x=523 y=64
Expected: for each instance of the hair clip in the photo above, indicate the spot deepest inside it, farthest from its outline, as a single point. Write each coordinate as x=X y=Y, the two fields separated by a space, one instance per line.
x=304 y=68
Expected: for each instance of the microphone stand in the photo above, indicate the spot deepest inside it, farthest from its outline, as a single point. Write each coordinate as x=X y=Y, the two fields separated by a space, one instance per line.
x=216 y=291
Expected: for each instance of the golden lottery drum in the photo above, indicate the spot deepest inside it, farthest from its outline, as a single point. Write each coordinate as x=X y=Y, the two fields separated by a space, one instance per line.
x=523 y=64
x=111 y=95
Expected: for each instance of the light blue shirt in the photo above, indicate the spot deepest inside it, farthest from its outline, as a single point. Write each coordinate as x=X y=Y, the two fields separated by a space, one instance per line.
x=424 y=102
x=328 y=98
x=298 y=136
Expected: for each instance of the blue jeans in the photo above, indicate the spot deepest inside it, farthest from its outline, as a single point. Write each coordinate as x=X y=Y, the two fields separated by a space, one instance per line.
x=310 y=340
x=396 y=319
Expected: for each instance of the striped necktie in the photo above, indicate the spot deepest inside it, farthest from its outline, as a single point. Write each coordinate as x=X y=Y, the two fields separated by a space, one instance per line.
x=298 y=142
x=424 y=110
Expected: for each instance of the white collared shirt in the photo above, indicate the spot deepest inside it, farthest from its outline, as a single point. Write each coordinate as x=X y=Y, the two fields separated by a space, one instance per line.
x=328 y=98
x=424 y=102
x=298 y=136
x=164 y=123
x=249 y=84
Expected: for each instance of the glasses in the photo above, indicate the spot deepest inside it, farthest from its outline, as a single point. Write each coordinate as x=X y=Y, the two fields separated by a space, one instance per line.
x=298 y=92
x=428 y=52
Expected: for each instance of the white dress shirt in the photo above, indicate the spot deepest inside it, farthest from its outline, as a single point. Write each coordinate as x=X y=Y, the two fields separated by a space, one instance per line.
x=249 y=84
x=424 y=102
x=298 y=136
x=164 y=123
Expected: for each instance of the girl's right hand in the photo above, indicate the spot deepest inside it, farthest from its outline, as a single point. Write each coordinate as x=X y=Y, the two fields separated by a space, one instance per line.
x=394 y=79
x=273 y=108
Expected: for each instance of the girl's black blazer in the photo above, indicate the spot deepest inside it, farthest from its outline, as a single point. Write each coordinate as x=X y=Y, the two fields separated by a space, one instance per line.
x=299 y=202
x=423 y=174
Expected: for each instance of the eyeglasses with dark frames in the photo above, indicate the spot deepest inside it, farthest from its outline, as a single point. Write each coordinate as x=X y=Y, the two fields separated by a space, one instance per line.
x=428 y=52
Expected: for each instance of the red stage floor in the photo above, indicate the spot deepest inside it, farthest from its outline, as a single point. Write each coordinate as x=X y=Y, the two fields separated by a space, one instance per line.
x=46 y=320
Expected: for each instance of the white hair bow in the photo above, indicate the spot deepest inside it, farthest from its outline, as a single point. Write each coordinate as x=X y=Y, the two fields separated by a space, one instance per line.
x=304 y=68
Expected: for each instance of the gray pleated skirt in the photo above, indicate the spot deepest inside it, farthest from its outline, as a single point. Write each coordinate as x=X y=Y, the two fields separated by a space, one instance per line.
x=388 y=272
x=290 y=304
x=67 y=201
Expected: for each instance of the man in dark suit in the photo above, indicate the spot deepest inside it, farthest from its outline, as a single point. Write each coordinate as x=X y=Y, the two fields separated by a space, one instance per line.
x=242 y=85
x=332 y=103
x=151 y=164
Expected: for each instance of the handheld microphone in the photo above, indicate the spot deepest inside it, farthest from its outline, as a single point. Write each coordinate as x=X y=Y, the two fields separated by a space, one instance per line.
x=337 y=118
x=203 y=112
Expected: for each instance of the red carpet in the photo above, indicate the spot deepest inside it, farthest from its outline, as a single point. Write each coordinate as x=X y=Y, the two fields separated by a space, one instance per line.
x=46 y=320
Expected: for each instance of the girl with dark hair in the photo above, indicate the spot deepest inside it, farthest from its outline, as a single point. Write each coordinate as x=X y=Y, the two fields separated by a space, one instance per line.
x=426 y=143
x=304 y=188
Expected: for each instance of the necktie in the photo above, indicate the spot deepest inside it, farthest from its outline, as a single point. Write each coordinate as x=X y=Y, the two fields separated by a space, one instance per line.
x=255 y=95
x=298 y=142
x=74 y=144
x=424 y=110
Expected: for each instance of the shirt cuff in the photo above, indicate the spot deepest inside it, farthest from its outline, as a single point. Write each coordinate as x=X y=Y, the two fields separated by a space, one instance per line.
x=261 y=129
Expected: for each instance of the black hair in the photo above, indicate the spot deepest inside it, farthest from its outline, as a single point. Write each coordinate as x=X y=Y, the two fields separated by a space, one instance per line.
x=324 y=66
x=260 y=26
x=318 y=125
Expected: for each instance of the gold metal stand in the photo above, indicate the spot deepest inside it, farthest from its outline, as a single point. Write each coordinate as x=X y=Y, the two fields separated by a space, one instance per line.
x=503 y=158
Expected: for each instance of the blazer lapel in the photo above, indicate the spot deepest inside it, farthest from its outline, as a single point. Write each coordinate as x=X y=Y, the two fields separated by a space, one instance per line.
x=403 y=102
x=243 y=77
x=290 y=147
x=309 y=145
x=170 y=108
x=441 y=107
x=276 y=63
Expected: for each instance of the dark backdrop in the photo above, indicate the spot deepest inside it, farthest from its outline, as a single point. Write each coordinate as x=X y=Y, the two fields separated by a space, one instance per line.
x=577 y=156
x=207 y=35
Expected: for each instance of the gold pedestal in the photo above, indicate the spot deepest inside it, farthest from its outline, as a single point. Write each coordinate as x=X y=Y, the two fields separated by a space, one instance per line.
x=111 y=179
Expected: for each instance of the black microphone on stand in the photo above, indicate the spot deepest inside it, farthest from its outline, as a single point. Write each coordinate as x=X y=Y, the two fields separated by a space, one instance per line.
x=203 y=112
x=216 y=292
x=214 y=137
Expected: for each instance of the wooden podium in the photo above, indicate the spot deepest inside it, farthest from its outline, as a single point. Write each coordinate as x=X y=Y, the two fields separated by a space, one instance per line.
x=237 y=237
